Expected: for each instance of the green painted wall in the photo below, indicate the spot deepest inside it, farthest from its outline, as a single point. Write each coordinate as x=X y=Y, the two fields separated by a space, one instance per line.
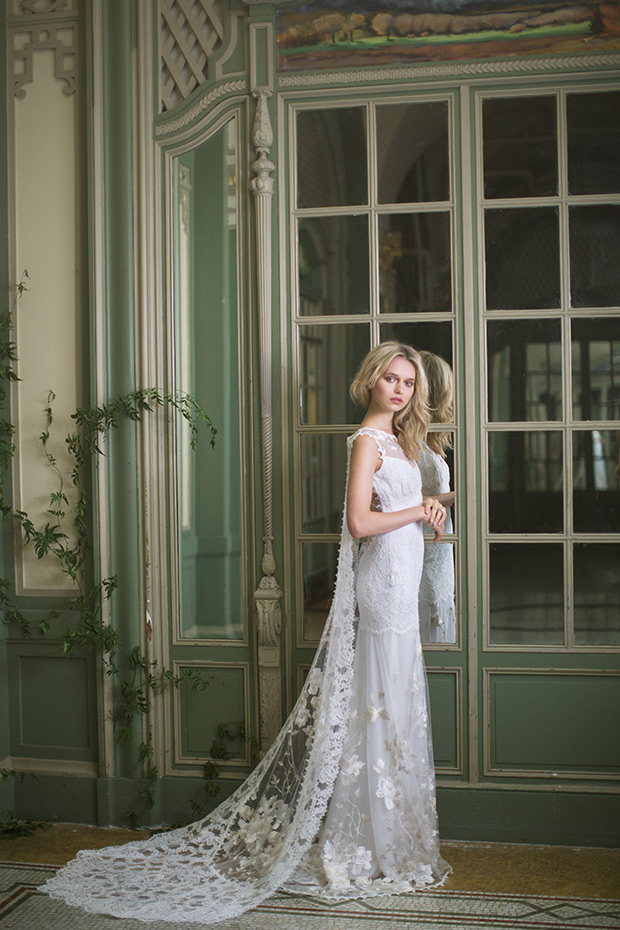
x=48 y=704
x=510 y=806
x=122 y=501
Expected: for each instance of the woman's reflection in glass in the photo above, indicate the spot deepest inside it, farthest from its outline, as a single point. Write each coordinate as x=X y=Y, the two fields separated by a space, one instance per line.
x=436 y=603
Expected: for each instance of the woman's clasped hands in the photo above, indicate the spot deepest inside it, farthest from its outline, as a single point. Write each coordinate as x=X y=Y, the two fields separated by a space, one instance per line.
x=434 y=515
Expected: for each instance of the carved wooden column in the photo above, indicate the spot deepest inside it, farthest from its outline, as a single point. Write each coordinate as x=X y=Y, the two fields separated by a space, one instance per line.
x=267 y=595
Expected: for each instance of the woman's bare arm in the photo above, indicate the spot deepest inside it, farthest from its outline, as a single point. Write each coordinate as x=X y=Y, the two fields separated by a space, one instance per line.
x=447 y=498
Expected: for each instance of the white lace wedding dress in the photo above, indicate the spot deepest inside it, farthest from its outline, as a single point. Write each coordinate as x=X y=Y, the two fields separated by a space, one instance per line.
x=343 y=804
x=436 y=602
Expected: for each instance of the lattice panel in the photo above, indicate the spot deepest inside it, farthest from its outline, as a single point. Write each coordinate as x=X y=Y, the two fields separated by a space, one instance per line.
x=190 y=32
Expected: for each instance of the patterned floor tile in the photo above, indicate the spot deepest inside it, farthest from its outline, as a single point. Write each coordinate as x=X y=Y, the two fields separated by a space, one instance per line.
x=23 y=907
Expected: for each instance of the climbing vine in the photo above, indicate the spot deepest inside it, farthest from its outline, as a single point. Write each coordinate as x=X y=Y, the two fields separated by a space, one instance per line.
x=137 y=676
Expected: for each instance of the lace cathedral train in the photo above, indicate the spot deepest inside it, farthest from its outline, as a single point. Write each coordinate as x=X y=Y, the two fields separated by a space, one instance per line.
x=343 y=804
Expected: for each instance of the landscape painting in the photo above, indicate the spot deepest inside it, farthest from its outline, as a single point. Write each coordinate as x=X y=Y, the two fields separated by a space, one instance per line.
x=359 y=33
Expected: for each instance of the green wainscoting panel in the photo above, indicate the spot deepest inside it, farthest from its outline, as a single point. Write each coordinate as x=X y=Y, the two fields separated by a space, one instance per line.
x=554 y=817
x=7 y=785
x=198 y=714
x=553 y=721
x=444 y=686
x=177 y=794
x=7 y=794
x=54 y=705
x=65 y=798
x=465 y=813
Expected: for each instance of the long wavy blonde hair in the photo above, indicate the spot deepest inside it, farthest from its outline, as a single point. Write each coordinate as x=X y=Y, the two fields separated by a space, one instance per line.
x=411 y=424
x=440 y=399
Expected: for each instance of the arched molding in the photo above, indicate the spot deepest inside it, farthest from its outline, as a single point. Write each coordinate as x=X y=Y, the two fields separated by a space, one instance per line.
x=198 y=109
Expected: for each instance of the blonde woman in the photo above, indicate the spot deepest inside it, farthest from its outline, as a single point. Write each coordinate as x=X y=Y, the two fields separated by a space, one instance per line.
x=436 y=603
x=343 y=803
x=381 y=831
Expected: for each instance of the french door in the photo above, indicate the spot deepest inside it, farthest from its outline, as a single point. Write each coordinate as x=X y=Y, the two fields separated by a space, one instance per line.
x=482 y=224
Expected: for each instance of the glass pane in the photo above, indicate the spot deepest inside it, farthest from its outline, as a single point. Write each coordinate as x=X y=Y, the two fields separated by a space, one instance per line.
x=437 y=603
x=526 y=482
x=331 y=157
x=597 y=594
x=520 y=146
x=522 y=250
x=526 y=594
x=329 y=358
x=596 y=481
x=333 y=265
x=596 y=368
x=323 y=470
x=413 y=152
x=435 y=338
x=593 y=122
x=206 y=344
x=319 y=562
x=414 y=262
x=594 y=250
x=525 y=369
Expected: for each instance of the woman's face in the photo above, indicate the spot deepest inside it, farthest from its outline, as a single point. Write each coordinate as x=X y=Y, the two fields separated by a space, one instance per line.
x=394 y=388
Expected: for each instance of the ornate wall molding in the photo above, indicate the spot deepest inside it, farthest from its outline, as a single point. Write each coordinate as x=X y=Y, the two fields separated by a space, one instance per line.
x=44 y=25
x=189 y=35
x=185 y=195
x=268 y=594
x=459 y=69
x=43 y=7
x=37 y=766
x=180 y=122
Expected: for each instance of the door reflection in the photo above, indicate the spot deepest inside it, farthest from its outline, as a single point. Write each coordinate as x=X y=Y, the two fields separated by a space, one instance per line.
x=206 y=322
x=437 y=590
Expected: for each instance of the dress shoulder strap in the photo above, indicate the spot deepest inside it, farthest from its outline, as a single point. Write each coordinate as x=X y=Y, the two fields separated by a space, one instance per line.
x=384 y=440
x=378 y=435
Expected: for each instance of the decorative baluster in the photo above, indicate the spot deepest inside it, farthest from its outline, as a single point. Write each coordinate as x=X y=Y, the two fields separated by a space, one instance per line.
x=268 y=594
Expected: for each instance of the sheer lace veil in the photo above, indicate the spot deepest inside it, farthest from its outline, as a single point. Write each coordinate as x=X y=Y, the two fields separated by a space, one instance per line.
x=251 y=844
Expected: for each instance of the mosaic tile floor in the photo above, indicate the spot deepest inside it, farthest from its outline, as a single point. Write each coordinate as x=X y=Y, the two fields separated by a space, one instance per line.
x=494 y=887
x=22 y=907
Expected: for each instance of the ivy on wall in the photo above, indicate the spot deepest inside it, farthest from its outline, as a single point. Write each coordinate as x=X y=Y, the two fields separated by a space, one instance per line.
x=138 y=678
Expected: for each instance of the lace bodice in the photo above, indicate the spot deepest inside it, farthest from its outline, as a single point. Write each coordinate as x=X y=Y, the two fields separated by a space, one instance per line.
x=397 y=484
x=390 y=564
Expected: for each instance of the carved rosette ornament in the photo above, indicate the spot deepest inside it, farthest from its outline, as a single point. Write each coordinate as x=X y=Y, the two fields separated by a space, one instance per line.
x=268 y=594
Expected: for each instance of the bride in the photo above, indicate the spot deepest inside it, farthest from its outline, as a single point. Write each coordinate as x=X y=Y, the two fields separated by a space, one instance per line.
x=343 y=804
